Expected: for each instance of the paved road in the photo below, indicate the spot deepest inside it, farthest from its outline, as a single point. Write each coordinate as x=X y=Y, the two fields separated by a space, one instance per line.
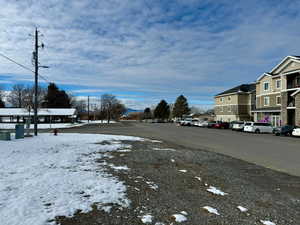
x=278 y=153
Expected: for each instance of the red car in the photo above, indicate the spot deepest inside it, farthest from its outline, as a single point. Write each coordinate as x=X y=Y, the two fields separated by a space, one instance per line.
x=221 y=125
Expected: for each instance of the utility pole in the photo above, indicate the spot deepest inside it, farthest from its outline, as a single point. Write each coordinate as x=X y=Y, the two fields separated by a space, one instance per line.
x=36 y=72
x=88 y=109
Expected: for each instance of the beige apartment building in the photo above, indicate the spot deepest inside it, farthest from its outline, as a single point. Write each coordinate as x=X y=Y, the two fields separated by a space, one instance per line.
x=235 y=104
x=278 y=94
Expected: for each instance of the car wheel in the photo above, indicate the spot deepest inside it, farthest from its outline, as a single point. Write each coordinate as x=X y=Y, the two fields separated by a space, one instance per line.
x=257 y=131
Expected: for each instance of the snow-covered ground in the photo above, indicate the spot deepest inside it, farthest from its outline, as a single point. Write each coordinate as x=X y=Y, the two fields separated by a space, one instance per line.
x=55 y=125
x=48 y=176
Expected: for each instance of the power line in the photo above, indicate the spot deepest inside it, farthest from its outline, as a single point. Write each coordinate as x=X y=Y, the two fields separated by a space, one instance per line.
x=24 y=67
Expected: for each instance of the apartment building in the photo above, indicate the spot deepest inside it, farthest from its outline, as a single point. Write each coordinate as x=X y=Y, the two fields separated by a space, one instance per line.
x=235 y=104
x=278 y=94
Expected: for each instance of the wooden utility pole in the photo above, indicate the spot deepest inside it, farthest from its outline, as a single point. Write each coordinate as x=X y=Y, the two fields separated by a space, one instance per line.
x=36 y=72
x=88 y=109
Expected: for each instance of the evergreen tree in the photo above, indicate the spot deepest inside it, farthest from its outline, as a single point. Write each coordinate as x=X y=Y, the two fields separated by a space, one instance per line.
x=2 y=104
x=147 y=113
x=181 y=107
x=162 y=110
x=56 y=98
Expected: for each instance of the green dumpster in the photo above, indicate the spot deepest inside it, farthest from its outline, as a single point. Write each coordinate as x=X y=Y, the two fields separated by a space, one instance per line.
x=5 y=136
x=19 y=131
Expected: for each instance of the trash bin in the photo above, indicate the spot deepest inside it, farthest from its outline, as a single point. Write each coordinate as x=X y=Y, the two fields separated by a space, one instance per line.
x=19 y=131
x=5 y=136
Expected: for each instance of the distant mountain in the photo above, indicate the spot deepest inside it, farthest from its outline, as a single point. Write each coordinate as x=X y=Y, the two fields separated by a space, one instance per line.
x=129 y=110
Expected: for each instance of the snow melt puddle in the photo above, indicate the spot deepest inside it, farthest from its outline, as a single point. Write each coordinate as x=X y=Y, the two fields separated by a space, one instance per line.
x=266 y=222
x=211 y=210
x=48 y=176
x=216 y=191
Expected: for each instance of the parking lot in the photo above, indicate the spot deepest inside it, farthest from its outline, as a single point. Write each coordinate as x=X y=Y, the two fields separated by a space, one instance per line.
x=278 y=153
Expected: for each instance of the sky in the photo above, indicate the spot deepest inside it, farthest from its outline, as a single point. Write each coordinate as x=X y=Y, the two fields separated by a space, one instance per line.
x=143 y=51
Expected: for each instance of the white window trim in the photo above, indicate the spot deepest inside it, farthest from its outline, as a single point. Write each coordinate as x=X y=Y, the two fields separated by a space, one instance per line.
x=267 y=97
x=277 y=101
x=267 y=82
x=279 y=80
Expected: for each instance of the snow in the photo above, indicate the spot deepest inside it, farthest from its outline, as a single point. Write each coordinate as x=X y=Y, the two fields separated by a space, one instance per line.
x=216 y=191
x=266 y=222
x=179 y=218
x=43 y=125
x=183 y=171
x=118 y=167
x=172 y=160
x=152 y=185
x=41 y=112
x=48 y=176
x=198 y=178
x=211 y=210
x=242 y=209
x=147 y=218
x=164 y=149
x=184 y=213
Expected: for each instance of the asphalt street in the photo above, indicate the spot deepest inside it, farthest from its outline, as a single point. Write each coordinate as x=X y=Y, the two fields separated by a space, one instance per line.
x=278 y=153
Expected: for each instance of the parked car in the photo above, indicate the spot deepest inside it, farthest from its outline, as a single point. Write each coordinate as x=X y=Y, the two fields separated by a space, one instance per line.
x=211 y=124
x=296 y=132
x=195 y=122
x=286 y=130
x=221 y=125
x=238 y=125
x=186 y=122
x=258 y=127
x=203 y=124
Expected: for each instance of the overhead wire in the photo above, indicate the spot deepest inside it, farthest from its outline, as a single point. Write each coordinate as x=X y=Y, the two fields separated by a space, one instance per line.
x=24 y=67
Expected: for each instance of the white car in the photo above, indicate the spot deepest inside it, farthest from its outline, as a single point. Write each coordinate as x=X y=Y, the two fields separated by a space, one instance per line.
x=258 y=127
x=202 y=124
x=186 y=122
x=296 y=132
x=238 y=125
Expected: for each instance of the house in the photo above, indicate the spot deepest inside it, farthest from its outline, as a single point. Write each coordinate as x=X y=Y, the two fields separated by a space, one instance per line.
x=278 y=94
x=45 y=115
x=235 y=104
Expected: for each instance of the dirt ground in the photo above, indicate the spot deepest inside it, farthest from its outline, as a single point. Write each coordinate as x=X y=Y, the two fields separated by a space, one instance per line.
x=156 y=186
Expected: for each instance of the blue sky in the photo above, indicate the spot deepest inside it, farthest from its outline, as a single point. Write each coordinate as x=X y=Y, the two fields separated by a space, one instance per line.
x=144 y=51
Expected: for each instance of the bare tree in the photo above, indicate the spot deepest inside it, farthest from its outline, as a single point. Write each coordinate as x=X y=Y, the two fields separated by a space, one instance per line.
x=29 y=97
x=2 y=103
x=111 y=107
x=17 y=96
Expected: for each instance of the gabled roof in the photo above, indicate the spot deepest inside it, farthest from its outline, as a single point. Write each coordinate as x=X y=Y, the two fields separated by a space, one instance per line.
x=292 y=57
x=41 y=112
x=244 y=88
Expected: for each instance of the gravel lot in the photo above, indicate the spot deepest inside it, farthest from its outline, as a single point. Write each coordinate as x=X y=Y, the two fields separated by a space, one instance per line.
x=156 y=186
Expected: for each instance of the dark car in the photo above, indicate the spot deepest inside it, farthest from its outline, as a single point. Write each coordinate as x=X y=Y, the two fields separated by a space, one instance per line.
x=286 y=130
x=221 y=125
x=211 y=124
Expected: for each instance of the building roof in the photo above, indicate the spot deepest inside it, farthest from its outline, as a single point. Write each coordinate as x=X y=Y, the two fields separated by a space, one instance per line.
x=41 y=112
x=239 y=89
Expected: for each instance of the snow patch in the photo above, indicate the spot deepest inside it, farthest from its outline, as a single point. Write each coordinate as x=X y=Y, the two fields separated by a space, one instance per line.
x=216 y=191
x=183 y=171
x=48 y=176
x=211 y=210
x=164 y=149
x=147 y=218
x=266 y=222
x=179 y=218
x=172 y=160
x=198 y=178
x=242 y=209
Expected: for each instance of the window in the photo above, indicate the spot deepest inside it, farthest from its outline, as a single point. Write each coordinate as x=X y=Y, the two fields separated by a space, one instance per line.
x=266 y=86
x=266 y=101
x=278 y=84
x=229 y=98
x=222 y=99
x=278 y=100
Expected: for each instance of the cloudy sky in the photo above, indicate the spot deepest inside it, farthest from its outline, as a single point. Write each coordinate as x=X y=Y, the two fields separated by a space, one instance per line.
x=143 y=51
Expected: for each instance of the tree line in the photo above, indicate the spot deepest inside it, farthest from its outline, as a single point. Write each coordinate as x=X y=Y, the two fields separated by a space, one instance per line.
x=22 y=96
x=164 y=111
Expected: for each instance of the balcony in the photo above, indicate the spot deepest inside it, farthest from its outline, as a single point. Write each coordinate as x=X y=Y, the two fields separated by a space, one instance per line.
x=293 y=81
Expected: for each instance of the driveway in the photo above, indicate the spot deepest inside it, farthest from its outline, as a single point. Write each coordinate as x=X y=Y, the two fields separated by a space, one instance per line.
x=278 y=153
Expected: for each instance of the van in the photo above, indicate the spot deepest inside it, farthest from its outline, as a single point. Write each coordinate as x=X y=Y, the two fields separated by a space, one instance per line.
x=258 y=127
